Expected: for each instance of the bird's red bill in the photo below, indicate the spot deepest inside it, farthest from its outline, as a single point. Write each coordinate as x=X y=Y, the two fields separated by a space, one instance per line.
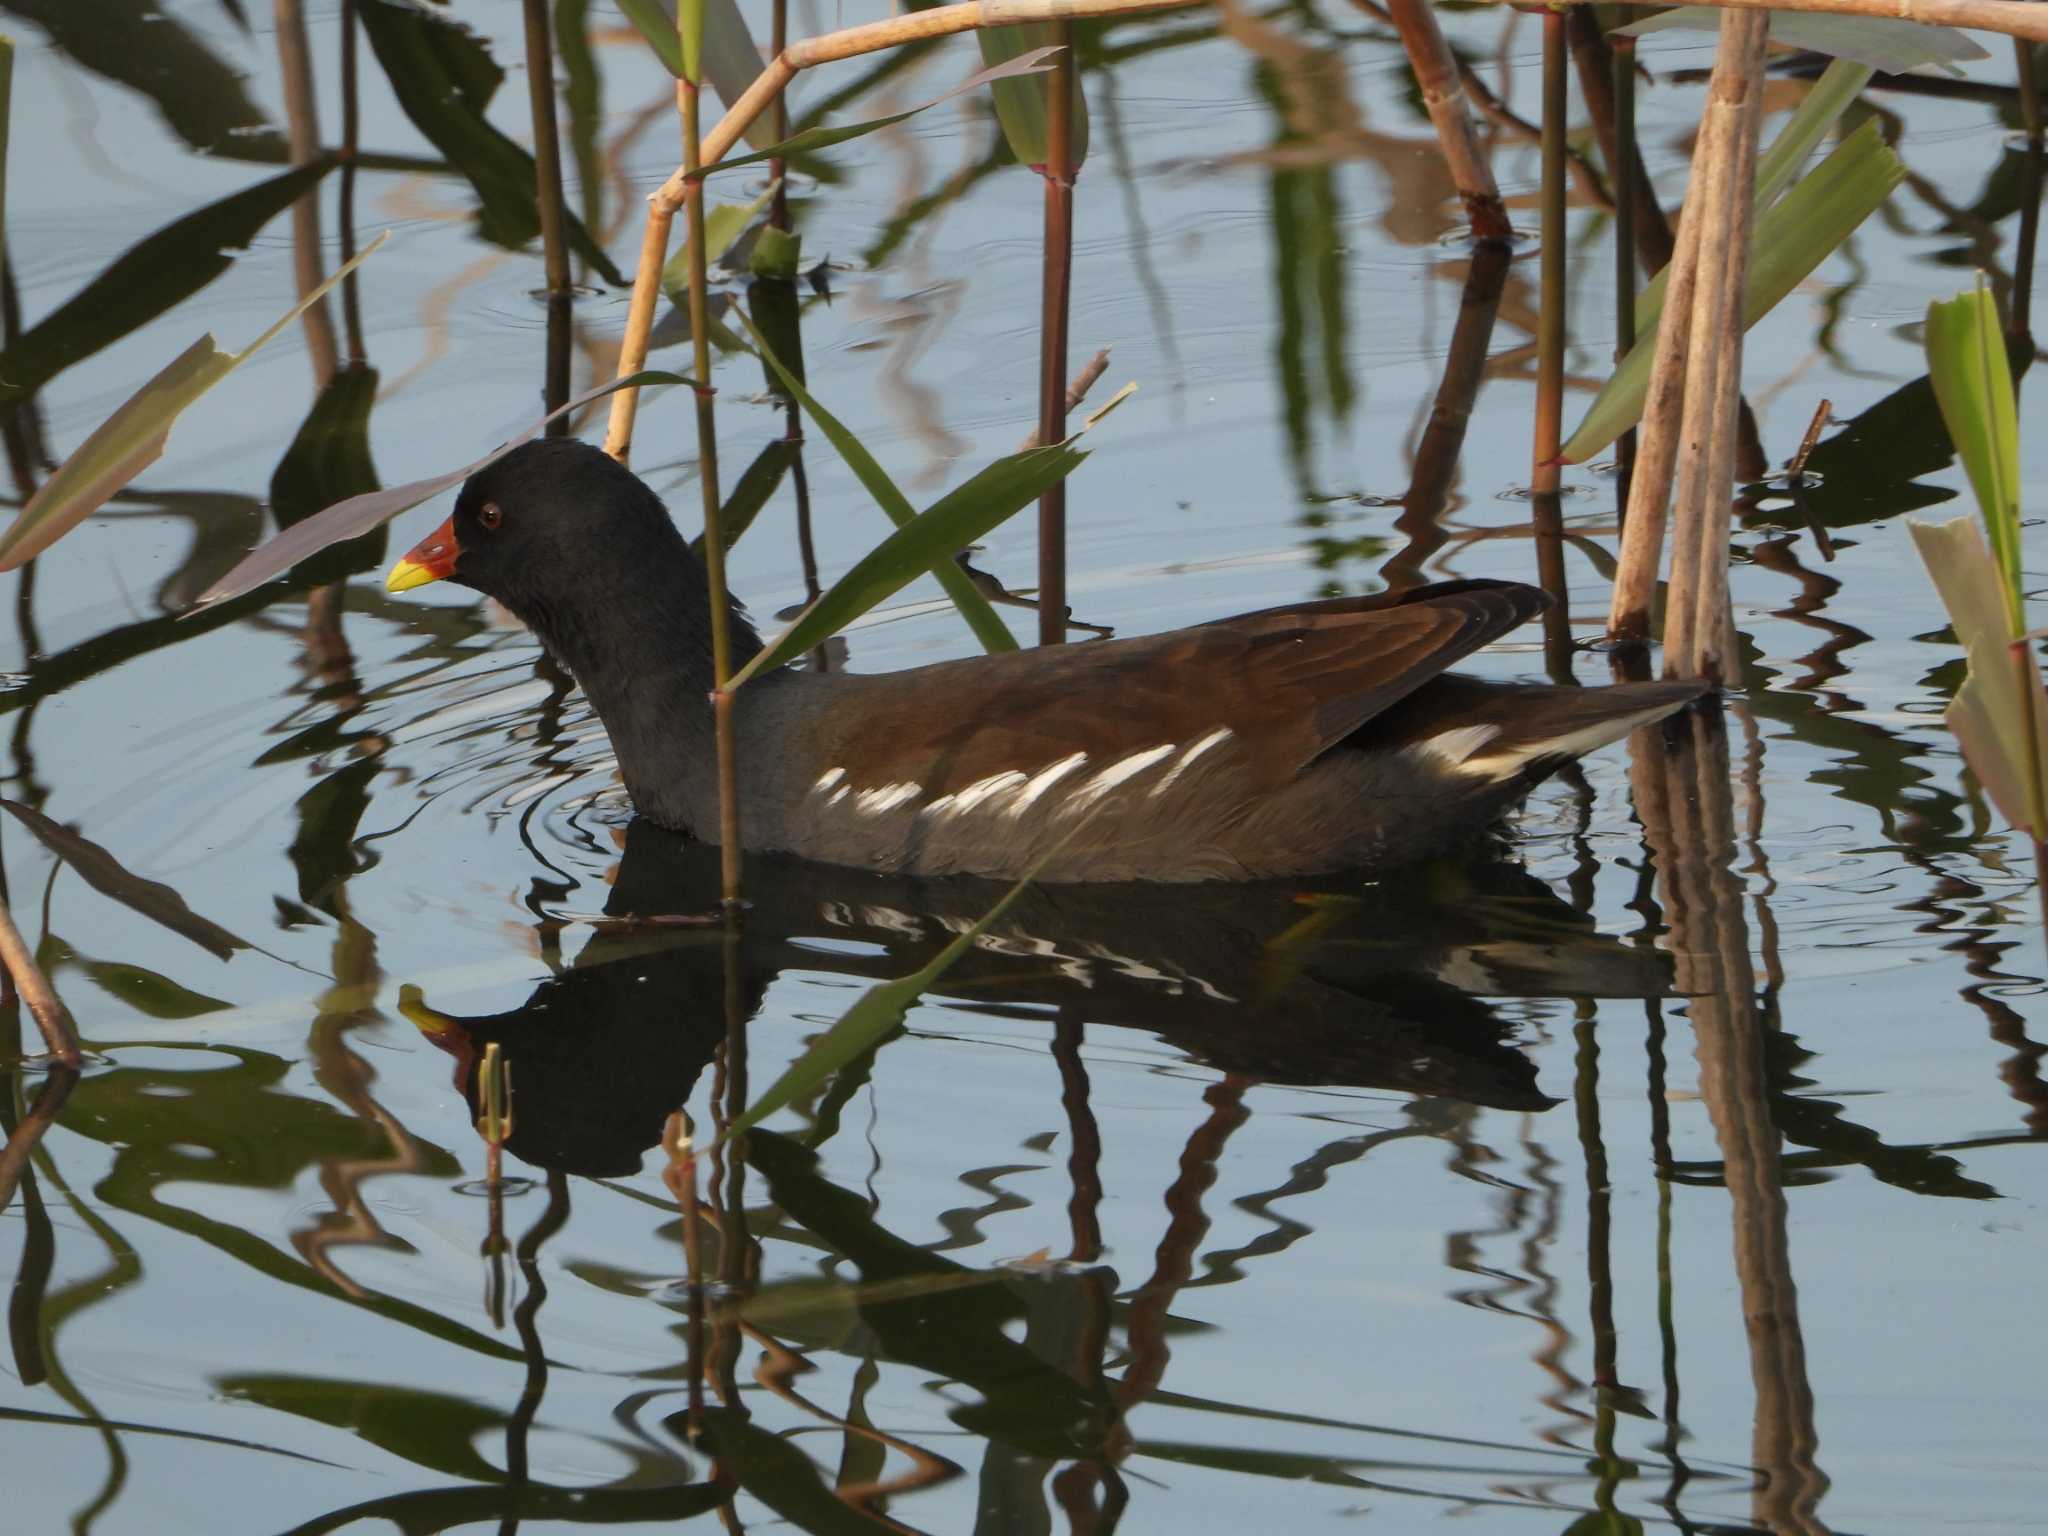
x=432 y=559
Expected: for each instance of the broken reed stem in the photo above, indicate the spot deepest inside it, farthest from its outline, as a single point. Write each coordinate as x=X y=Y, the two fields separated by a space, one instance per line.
x=1052 y=333
x=1696 y=638
x=847 y=43
x=1443 y=94
x=60 y=1037
x=1077 y=391
x=1550 y=330
x=2014 y=18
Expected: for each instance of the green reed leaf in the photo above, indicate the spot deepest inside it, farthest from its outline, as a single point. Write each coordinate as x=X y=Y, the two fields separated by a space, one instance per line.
x=1967 y=361
x=1792 y=238
x=1024 y=106
x=993 y=634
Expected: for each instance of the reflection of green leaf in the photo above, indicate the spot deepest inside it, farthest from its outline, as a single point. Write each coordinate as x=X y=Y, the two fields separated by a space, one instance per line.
x=329 y=459
x=105 y=874
x=444 y=77
x=1022 y=106
x=723 y=224
x=1604 y=1522
x=428 y=1429
x=1793 y=237
x=149 y=279
x=993 y=634
x=782 y=1477
x=133 y=438
x=1870 y=469
x=133 y=43
x=751 y=492
x=879 y=1010
x=148 y=993
x=958 y=1333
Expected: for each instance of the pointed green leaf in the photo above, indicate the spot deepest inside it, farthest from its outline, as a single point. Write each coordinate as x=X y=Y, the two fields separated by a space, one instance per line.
x=133 y=437
x=731 y=57
x=927 y=543
x=821 y=138
x=993 y=634
x=1792 y=238
x=1990 y=711
x=1967 y=360
x=1024 y=106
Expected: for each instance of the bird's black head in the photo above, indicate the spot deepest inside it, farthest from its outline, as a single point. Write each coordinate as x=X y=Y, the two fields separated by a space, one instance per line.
x=578 y=547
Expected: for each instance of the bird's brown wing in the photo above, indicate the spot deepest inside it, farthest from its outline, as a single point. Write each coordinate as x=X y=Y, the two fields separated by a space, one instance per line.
x=1290 y=683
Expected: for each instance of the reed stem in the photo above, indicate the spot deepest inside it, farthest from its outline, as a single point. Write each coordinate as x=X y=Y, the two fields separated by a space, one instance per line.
x=1625 y=169
x=2014 y=18
x=1052 y=351
x=1550 y=325
x=60 y=1037
x=1697 y=642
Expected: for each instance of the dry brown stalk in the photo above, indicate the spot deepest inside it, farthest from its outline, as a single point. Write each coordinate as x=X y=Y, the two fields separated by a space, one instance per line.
x=2014 y=18
x=1077 y=391
x=847 y=43
x=1443 y=94
x=51 y=1017
x=1696 y=639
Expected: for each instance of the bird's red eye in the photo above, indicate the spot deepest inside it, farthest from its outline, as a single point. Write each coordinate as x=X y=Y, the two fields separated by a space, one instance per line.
x=490 y=516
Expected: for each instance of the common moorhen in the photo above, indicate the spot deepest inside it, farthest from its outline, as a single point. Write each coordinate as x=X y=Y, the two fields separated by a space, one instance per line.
x=1317 y=737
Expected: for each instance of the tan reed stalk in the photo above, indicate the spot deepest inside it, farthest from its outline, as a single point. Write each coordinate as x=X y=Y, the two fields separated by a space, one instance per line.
x=1443 y=94
x=2014 y=18
x=547 y=176
x=1696 y=639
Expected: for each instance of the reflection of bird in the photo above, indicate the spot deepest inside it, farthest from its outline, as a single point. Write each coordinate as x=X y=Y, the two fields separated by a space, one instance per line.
x=1372 y=988
x=1319 y=737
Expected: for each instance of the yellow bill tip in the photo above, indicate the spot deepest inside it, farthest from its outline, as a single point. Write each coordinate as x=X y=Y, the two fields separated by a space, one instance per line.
x=408 y=574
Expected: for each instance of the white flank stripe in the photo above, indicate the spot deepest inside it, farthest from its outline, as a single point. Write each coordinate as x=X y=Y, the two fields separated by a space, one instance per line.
x=827 y=779
x=1040 y=782
x=1215 y=738
x=1455 y=748
x=873 y=802
x=1115 y=774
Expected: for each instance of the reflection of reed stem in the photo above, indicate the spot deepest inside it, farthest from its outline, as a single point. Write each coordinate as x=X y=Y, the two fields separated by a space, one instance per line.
x=547 y=176
x=351 y=120
x=21 y=1145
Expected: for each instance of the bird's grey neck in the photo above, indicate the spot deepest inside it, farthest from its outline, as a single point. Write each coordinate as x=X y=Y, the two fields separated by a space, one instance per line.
x=650 y=681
